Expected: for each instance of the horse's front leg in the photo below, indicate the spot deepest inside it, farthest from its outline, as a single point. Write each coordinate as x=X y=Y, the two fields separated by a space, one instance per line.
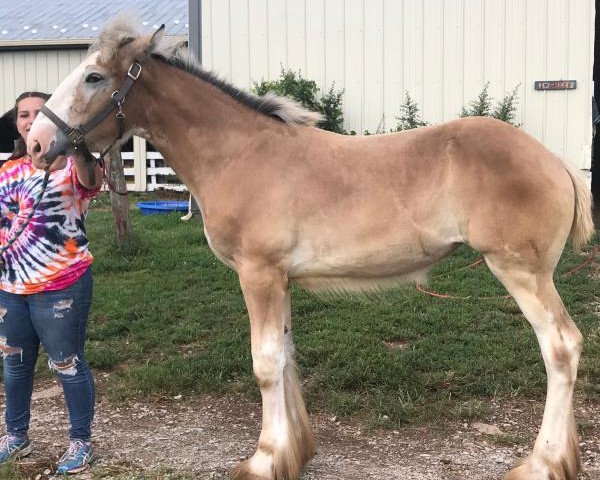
x=286 y=442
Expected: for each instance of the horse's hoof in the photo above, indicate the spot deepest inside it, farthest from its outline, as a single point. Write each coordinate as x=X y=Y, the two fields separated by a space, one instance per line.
x=243 y=471
x=532 y=468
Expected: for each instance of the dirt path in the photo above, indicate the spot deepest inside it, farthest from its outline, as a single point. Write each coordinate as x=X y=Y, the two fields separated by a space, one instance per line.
x=203 y=437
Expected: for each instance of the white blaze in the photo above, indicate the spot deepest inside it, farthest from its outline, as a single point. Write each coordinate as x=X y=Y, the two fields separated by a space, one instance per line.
x=43 y=130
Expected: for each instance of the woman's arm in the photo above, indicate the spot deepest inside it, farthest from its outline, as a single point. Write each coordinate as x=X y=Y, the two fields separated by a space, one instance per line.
x=89 y=175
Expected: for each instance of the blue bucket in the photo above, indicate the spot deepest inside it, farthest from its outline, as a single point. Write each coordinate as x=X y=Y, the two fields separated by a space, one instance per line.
x=162 y=206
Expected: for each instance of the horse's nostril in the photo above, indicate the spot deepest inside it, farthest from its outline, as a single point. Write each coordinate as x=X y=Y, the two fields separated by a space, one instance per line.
x=37 y=148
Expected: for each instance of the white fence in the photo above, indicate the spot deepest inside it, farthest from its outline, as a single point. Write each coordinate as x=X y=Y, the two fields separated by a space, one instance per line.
x=145 y=171
x=150 y=175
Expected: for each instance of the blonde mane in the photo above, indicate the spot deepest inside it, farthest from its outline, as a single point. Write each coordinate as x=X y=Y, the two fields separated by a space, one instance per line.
x=123 y=30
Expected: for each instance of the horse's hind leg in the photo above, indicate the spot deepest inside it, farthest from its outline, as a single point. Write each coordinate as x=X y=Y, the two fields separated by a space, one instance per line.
x=286 y=442
x=556 y=452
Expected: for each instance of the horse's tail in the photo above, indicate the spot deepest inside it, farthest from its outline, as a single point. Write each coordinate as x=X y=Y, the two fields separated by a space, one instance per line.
x=583 y=224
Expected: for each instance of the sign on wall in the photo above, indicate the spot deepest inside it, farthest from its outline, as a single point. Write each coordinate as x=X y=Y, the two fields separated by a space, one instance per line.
x=556 y=84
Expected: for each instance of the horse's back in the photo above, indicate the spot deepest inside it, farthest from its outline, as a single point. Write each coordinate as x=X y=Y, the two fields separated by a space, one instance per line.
x=403 y=201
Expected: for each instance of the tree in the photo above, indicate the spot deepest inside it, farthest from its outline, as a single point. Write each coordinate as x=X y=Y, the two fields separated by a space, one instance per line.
x=306 y=92
x=119 y=201
x=409 y=115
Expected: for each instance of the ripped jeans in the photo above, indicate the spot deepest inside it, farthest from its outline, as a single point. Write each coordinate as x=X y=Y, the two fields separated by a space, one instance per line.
x=57 y=319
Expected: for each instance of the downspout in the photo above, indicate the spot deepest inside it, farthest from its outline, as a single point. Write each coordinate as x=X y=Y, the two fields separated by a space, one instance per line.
x=195 y=47
x=595 y=168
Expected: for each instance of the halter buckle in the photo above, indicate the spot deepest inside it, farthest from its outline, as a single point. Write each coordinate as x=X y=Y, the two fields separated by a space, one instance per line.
x=134 y=70
x=119 y=102
x=75 y=136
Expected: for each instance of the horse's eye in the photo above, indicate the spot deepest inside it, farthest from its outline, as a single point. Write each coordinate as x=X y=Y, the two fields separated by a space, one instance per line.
x=94 y=78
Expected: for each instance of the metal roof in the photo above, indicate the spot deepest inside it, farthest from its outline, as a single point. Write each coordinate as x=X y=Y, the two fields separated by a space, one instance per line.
x=67 y=20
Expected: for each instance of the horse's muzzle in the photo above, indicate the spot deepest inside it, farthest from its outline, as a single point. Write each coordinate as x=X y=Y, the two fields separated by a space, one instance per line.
x=59 y=147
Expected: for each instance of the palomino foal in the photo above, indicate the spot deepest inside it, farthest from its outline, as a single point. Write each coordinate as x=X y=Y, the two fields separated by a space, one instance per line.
x=285 y=202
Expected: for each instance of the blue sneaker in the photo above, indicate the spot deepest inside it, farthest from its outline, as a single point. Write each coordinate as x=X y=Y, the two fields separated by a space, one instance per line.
x=77 y=458
x=13 y=447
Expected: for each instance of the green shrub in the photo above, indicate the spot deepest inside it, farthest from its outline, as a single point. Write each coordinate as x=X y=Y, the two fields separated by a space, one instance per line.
x=409 y=117
x=331 y=108
x=482 y=106
x=506 y=109
x=306 y=92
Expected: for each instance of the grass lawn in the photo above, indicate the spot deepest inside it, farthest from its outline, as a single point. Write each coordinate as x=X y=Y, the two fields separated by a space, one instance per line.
x=169 y=318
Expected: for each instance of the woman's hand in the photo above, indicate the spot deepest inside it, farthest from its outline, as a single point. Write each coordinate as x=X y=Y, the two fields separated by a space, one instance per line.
x=90 y=175
x=58 y=164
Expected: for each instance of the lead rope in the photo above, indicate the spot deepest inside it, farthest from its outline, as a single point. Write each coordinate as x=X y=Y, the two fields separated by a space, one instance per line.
x=91 y=161
x=120 y=116
x=26 y=221
x=102 y=162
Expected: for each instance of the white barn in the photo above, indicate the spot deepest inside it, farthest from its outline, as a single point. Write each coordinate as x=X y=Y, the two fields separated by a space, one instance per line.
x=440 y=51
x=41 y=41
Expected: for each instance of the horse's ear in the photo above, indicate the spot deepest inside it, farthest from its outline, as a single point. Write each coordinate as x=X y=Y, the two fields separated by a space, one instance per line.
x=156 y=38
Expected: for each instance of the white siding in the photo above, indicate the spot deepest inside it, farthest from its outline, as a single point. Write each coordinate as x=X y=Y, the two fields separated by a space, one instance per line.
x=440 y=51
x=39 y=70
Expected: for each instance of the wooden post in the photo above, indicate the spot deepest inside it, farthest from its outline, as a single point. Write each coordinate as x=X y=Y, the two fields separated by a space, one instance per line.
x=119 y=203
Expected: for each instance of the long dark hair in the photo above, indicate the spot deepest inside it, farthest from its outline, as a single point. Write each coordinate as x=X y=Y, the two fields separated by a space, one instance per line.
x=20 y=149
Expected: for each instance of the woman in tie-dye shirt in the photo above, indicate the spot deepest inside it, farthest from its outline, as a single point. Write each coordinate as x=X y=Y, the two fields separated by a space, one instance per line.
x=45 y=289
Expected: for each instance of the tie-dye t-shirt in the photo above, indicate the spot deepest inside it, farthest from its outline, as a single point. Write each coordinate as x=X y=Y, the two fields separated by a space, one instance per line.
x=52 y=252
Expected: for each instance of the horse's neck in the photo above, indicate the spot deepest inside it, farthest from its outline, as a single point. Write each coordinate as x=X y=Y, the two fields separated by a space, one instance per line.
x=195 y=125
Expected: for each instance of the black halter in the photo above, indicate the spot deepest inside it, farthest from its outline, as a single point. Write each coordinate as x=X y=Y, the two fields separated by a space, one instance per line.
x=75 y=136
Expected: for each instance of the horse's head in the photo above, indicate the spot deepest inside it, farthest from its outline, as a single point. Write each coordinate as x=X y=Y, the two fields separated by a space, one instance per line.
x=91 y=100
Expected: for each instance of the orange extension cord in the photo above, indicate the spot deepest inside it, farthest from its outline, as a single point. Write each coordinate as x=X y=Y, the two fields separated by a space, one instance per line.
x=591 y=258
